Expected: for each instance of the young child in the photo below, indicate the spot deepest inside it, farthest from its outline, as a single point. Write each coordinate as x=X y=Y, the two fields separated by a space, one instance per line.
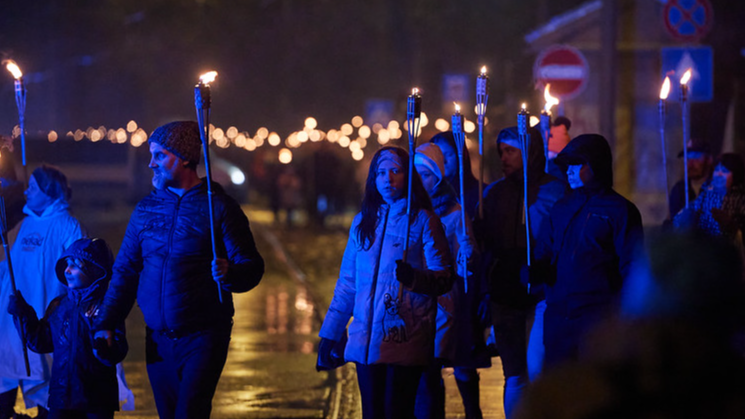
x=83 y=383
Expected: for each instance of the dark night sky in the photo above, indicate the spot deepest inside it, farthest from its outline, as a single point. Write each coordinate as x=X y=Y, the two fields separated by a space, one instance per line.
x=104 y=62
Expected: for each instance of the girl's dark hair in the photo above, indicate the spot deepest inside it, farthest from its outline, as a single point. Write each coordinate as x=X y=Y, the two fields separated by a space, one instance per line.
x=372 y=200
x=734 y=163
x=468 y=177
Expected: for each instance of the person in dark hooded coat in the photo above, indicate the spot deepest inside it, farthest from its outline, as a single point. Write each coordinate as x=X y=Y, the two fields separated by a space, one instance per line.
x=591 y=245
x=505 y=245
x=83 y=382
x=446 y=142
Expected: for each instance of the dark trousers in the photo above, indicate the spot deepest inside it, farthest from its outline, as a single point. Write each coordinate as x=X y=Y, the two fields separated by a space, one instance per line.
x=430 y=398
x=388 y=391
x=184 y=371
x=78 y=414
x=7 y=403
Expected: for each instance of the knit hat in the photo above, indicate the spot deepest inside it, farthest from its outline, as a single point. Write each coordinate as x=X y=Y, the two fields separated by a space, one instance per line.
x=389 y=155
x=430 y=156
x=96 y=255
x=180 y=138
x=52 y=182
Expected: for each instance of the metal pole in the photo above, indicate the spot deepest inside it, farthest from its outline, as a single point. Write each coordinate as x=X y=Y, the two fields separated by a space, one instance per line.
x=20 y=90
x=664 y=153
x=413 y=112
x=482 y=98
x=522 y=128
x=6 y=248
x=460 y=143
x=686 y=135
x=202 y=100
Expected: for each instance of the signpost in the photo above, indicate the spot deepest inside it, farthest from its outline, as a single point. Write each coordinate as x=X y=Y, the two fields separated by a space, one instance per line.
x=701 y=62
x=565 y=68
x=688 y=20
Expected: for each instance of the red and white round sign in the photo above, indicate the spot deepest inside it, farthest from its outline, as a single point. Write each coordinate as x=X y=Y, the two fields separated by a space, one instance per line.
x=565 y=68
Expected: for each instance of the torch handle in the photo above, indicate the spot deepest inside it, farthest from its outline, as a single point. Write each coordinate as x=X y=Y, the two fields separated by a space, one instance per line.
x=6 y=248
x=525 y=145
x=481 y=168
x=664 y=155
x=686 y=136
x=203 y=115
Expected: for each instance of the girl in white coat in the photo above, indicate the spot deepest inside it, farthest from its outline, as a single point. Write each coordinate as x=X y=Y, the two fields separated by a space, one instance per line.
x=391 y=336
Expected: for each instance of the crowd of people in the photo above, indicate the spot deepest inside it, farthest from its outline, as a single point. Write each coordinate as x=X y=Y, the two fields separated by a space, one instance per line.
x=556 y=269
x=557 y=256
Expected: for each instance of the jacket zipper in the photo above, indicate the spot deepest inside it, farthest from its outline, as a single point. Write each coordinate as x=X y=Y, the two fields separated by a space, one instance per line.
x=165 y=264
x=373 y=288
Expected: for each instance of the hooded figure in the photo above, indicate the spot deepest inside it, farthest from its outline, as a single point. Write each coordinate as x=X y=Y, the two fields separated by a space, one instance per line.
x=83 y=377
x=590 y=246
x=503 y=235
x=459 y=332
x=446 y=142
x=36 y=244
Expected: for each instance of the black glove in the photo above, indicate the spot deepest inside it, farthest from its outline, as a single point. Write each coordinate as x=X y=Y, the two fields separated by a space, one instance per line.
x=102 y=351
x=405 y=273
x=17 y=306
x=327 y=358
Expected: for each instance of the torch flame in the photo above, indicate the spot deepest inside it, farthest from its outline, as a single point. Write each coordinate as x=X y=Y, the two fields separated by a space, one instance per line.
x=457 y=108
x=686 y=77
x=550 y=100
x=665 y=90
x=415 y=91
x=208 y=77
x=14 y=69
x=524 y=106
x=483 y=71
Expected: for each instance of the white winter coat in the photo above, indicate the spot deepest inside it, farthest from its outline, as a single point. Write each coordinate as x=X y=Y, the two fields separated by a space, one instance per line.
x=39 y=242
x=382 y=330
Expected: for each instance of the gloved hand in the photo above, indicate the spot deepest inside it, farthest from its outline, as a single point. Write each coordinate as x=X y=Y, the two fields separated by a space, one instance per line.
x=404 y=273
x=220 y=270
x=326 y=360
x=17 y=306
x=102 y=351
x=465 y=249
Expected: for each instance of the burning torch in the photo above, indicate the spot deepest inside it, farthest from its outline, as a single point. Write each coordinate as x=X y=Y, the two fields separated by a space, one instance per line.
x=664 y=91
x=203 y=101
x=21 y=104
x=460 y=143
x=546 y=120
x=482 y=97
x=522 y=130
x=686 y=108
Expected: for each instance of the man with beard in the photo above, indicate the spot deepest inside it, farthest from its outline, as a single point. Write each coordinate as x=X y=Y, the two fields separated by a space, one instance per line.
x=166 y=263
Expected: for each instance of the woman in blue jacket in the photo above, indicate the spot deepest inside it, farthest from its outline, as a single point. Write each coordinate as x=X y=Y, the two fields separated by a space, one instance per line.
x=392 y=302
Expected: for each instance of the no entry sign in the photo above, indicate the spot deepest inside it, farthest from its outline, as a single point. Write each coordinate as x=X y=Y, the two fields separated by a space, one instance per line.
x=688 y=20
x=565 y=68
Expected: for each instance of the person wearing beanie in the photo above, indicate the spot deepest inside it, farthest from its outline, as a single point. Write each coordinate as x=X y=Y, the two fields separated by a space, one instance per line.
x=460 y=331
x=516 y=308
x=83 y=378
x=591 y=246
x=37 y=242
x=165 y=262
